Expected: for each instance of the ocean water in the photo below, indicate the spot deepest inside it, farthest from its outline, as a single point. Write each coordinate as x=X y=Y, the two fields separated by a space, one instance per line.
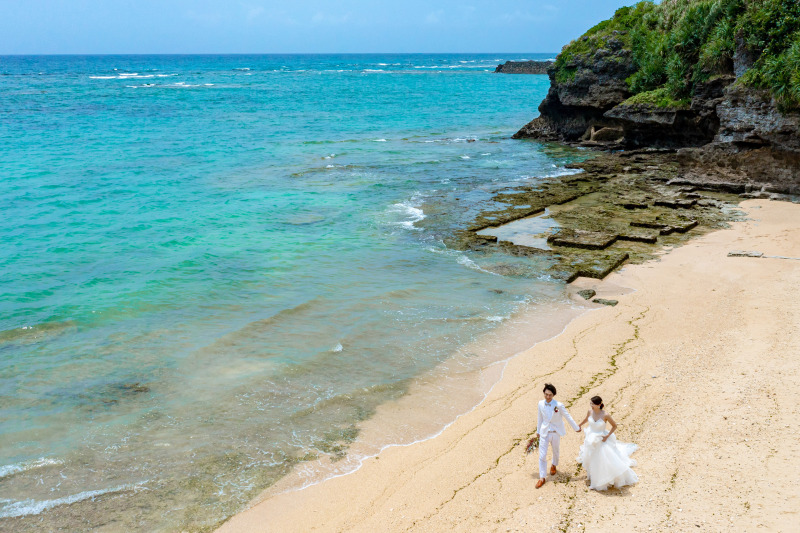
x=214 y=268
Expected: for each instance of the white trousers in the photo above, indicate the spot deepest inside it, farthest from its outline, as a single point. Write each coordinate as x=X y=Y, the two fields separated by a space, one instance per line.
x=550 y=439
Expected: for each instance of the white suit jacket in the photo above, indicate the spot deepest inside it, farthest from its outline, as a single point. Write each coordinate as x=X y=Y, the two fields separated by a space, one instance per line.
x=549 y=420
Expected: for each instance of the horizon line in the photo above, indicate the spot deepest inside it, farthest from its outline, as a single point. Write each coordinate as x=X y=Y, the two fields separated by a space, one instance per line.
x=258 y=53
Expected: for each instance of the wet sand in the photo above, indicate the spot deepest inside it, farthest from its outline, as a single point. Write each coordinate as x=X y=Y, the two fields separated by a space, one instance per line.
x=698 y=365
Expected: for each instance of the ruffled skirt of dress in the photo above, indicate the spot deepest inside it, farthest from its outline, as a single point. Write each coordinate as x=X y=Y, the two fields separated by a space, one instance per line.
x=607 y=464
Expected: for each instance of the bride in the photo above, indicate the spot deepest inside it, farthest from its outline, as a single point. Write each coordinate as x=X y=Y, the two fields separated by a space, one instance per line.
x=606 y=461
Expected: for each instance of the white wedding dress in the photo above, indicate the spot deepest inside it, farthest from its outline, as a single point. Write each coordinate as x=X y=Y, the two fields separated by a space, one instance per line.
x=606 y=463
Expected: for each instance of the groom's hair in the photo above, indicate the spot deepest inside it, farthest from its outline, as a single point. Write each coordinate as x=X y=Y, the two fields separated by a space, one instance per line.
x=551 y=388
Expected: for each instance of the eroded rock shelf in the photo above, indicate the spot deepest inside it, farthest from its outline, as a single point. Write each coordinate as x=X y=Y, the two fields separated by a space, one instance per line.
x=623 y=207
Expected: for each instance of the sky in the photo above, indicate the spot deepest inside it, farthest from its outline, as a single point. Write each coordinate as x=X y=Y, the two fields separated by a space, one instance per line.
x=294 y=26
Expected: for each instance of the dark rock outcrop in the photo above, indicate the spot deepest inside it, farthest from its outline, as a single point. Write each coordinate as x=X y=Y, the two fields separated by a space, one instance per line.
x=576 y=103
x=728 y=134
x=592 y=109
x=651 y=125
x=755 y=144
x=750 y=117
x=743 y=57
x=647 y=125
x=524 y=67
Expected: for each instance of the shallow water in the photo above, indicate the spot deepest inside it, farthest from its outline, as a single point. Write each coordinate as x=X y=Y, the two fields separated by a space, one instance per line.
x=215 y=267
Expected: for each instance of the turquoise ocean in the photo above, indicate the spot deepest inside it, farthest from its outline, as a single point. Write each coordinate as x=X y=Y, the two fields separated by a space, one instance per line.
x=215 y=268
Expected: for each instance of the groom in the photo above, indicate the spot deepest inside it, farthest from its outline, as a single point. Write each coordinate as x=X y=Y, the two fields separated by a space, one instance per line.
x=550 y=426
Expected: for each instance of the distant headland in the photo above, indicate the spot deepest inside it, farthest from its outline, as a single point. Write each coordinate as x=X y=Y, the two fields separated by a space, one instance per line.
x=524 y=67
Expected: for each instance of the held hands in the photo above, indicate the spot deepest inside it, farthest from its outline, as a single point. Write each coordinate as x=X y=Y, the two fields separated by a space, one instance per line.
x=579 y=429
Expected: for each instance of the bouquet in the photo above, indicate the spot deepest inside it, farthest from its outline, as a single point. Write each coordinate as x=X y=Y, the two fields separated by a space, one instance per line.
x=532 y=444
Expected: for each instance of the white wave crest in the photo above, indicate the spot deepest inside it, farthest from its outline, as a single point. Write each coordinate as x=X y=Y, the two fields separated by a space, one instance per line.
x=416 y=215
x=183 y=84
x=337 y=348
x=131 y=76
x=33 y=507
x=461 y=259
x=459 y=66
x=558 y=171
x=410 y=211
x=8 y=470
x=469 y=263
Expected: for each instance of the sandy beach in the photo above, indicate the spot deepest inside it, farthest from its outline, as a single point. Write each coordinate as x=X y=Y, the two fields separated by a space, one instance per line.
x=698 y=365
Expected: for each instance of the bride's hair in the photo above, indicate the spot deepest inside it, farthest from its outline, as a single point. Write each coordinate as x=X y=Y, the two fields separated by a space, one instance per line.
x=597 y=400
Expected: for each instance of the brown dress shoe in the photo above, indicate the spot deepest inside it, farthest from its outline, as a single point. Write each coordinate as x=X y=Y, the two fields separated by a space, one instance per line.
x=540 y=483
x=552 y=470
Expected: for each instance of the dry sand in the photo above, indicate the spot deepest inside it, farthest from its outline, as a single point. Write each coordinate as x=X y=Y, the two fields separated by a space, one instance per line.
x=698 y=365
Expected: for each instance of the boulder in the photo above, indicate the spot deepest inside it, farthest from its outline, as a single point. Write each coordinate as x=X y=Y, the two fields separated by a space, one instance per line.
x=587 y=294
x=603 y=301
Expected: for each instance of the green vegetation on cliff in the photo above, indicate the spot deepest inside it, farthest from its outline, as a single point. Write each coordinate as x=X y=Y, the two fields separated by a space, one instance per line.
x=661 y=97
x=677 y=44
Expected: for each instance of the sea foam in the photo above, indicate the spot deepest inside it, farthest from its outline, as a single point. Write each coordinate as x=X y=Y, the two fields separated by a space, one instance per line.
x=34 y=507
x=8 y=470
x=412 y=213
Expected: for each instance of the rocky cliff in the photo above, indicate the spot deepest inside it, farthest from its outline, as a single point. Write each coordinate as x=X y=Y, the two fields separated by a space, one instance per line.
x=729 y=121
